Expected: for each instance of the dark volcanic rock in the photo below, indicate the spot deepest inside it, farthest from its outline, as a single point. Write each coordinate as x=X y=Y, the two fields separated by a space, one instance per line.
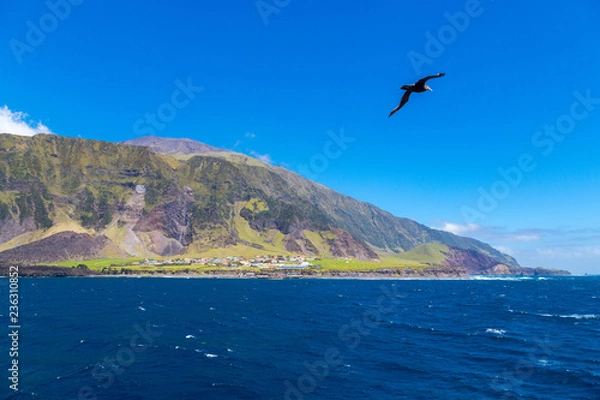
x=12 y=227
x=474 y=262
x=292 y=246
x=173 y=219
x=41 y=270
x=310 y=247
x=58 y=247
x=346 y=245
x=426 y=273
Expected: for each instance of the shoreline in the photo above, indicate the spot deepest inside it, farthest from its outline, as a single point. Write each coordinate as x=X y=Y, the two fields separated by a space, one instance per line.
x=408 y=274
x=366 y=277
x=355 y=278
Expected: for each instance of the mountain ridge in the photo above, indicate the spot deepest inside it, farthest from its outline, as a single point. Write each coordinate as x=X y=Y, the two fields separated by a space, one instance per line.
x=174 y=146
x=354 y=228
x=189 y=201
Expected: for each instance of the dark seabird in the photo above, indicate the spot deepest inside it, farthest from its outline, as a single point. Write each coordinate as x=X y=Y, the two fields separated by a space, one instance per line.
x=417 y=87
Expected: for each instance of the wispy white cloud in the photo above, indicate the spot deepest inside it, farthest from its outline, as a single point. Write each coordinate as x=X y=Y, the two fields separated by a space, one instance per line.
x=496 y=233
x=239 y=142
x=459 y=229
x=523 y=237
x=569 y=252
x=562 y=235
x=18 y=123
x=262 y=157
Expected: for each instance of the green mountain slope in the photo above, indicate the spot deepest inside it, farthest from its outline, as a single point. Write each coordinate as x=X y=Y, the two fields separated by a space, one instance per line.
x=381 y=230
x=195 y=201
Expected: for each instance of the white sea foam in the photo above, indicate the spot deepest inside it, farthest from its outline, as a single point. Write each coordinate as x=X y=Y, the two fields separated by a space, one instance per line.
x=573 y=316
x=190 y=337
x=581 y=316
x=495 y=331
x=209 y=355
x=500 y=278
x=141 y=308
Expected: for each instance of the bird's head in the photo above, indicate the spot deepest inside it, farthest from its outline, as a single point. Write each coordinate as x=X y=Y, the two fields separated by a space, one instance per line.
x=428 y=88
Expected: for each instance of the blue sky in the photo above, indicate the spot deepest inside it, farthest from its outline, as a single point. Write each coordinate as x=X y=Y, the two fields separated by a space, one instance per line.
x=279 y=79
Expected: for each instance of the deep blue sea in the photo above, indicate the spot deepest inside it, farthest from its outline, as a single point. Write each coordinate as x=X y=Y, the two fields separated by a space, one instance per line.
x=159 y=338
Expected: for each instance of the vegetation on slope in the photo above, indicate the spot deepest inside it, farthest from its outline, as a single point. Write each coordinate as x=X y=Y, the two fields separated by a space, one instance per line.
x=194 y=202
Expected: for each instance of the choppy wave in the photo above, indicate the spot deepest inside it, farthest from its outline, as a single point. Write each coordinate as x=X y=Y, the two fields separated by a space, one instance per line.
x=501 y=278
x=572 y=316
x=443 y=339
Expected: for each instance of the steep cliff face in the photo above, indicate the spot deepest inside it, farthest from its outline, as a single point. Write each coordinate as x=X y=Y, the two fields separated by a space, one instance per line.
x=190 y=200
x=476 y=263
x=472 y=261
x=346 y=245
x=167 y=227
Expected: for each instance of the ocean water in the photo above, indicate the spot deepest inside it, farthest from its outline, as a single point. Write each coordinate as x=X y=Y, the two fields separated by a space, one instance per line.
x=159 y=338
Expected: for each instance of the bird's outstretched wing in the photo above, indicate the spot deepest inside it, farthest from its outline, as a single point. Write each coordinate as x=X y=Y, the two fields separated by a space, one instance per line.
x=423 y=80
x=402 y=102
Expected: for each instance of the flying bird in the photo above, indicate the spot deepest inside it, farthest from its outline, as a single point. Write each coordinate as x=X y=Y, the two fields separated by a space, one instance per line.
x=418 y=87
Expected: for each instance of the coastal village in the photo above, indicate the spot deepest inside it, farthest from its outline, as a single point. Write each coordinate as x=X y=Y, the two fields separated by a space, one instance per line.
x=267 y=262
x=243 y=267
